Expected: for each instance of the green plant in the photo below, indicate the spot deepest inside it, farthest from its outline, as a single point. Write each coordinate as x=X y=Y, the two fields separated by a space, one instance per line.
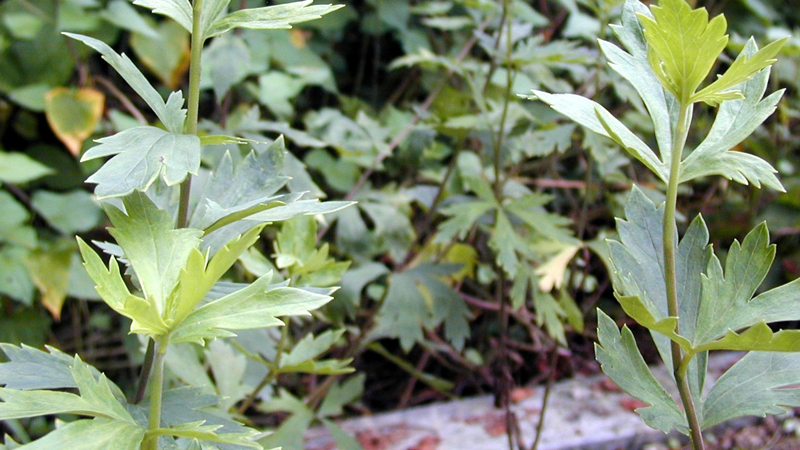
x=177 y=247
x=680 y=291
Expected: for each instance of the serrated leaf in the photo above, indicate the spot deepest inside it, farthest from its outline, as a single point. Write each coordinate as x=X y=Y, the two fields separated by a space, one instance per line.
x=461 y=218
x=302 y=357
x=637 y=271
x=73 y=114
x=683 y=45
x=157 y=251
x=142 y=155
x=418 y=299
x=736 y=120
x=727 y=306
x=170 y=113
x=760 y=383
x=747 y=64
x=270 y=17
x=254 y=306
x=112 y=289
x=505 y=242
x=596 y=118
x=96 y=399
x=98 y=434
x=31 y=368
x=621 y=361
x=200 y=274
x=340 y=395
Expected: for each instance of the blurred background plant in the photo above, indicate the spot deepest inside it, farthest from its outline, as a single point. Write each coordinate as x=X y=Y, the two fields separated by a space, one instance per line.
x=476 y=252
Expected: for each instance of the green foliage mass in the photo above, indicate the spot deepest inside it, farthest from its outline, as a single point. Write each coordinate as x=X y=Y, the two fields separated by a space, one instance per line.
x=321 y=187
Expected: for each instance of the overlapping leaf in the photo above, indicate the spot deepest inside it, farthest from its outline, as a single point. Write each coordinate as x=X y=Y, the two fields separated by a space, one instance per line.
x=270 y=17
x=142 y=155
x=736 y=120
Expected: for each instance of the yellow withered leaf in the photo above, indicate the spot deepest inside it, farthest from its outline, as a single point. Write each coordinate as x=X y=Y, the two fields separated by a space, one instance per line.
x=73 y=114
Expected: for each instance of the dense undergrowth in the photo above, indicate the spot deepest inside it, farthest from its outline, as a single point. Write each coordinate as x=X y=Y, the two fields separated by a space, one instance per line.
x=476 y=253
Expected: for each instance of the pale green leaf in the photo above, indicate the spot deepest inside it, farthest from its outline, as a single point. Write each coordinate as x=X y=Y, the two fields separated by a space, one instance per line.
x=125 y=16
x=727 y=305
x=760 y=383
x=70 y=212
x=505 y=242
x=157 y=251
x=461 y=219
x=622 y=362
x=20 y=168
x=255 y=306
x=113 y=290
x=98 y=434
x=302 y=357
x=197 y=430
x=596 y=118
x=142 y=155
x=635 y=68
x=736 y=120
x=200 y=274
x=747 y=64
x=683 y=45
x=270 y=17
x=31 y=368
x=96 y=399
x=170 y=113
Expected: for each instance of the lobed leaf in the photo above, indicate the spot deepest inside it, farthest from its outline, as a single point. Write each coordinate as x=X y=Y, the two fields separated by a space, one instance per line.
x=736 y=120
x=596 y=118
x=98 y=434
x=683 y=45
x=254 y=306
x=270 y=17
x=170 y=113
x=760 y=383
x=142 y=155
x=621 y=361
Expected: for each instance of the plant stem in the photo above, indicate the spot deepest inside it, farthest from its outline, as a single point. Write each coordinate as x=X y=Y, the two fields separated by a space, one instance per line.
x=546 y=399
x=190 y=127
x=156 y=391
x=670 y=273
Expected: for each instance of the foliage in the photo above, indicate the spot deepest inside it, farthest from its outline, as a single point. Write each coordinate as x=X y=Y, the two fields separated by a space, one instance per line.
x=477 y=244
x=680 y=291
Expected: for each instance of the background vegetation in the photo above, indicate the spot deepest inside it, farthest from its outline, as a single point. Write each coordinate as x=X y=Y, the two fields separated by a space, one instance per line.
x=475 y=256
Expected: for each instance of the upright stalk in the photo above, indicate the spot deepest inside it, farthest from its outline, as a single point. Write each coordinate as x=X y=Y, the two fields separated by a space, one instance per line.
x=193 y=106
x=670 y=273
x=156 y=391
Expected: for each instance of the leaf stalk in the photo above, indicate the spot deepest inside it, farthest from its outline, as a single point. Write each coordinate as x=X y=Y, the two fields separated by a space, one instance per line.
x=156 y=394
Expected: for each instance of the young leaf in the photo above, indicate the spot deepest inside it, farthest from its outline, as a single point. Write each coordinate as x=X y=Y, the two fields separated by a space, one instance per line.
x=142 y=155
x=461 y=218
x=112 y=289
x=747 y=64
x=683 y=45
x=270 y=17
x=596 y=118
x=622 y=362
x=302 y=357
x=757 y=385
x=199 y=276
x=736 y=120
x=255 y=306
x=170 y=113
